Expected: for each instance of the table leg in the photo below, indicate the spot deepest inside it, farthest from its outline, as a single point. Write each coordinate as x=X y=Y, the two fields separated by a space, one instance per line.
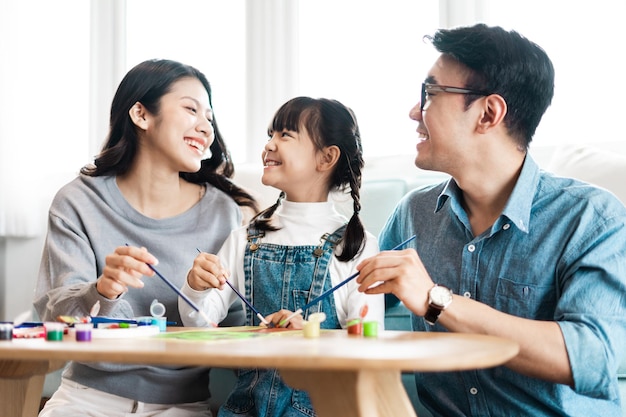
x=21 y=383
x=353 y=393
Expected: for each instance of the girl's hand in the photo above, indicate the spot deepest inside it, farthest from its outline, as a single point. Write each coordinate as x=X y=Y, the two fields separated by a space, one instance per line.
x=124 y=268
x=207 y=272
x=295 y=323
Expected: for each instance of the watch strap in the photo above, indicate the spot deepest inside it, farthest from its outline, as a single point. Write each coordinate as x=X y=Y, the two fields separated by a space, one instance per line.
x=432 y=314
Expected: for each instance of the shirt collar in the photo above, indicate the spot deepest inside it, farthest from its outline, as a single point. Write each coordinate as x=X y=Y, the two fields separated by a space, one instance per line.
x=517 y=209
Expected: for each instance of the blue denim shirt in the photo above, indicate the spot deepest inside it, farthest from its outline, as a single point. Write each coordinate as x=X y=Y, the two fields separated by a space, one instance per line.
x=557 y=252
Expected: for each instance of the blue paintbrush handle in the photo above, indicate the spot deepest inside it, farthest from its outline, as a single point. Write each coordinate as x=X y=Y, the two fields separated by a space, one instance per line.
x=183 y=296
x=330 y=291
x=100 y=320
x=176 y=289
x=248 y=303
x=345 y=281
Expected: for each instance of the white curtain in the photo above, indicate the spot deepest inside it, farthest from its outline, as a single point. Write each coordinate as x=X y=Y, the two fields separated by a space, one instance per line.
x=44 y=103
x=61 y=60
x=271 y=65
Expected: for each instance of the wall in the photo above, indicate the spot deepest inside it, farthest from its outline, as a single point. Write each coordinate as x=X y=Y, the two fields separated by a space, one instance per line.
x=19 y=263
x=3 y=284
x=20 y=255
x=44 y=128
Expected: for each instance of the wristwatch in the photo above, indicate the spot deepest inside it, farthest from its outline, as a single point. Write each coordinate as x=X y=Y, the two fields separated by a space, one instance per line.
x=439 y=298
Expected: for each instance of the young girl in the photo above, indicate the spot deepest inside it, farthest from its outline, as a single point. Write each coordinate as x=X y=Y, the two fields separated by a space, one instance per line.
x=151 y=185
x=296 y=249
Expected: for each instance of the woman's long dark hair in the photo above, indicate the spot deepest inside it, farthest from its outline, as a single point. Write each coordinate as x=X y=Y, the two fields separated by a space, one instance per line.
x=147 y=83
x=328 y=123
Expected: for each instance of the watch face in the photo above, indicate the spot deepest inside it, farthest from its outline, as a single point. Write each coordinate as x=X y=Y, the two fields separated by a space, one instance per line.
x=440 y=296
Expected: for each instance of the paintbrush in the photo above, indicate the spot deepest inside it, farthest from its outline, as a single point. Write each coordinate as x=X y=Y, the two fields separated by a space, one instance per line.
x=183 y=296
x=248 y=303
x=333 y=289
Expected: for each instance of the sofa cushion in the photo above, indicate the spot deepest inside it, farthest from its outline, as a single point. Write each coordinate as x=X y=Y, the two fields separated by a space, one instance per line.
x=378 y=200
x=600 y=167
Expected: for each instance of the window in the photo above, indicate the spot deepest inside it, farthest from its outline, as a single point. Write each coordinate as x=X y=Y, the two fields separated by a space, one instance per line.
x=369 y=55
x=258 y=54
x=44 y=106
x=207 y=34
x=585 y=40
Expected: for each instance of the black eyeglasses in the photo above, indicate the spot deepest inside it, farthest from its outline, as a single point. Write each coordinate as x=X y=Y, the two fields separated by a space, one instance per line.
x=429 y=88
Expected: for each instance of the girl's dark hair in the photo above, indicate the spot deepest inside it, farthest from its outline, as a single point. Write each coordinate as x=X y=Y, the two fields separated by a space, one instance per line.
x=146 y=83
x=505 y=63
x=328 y=123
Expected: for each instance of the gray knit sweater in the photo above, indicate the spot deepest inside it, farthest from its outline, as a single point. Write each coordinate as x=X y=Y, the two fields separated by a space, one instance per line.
x=88 y=219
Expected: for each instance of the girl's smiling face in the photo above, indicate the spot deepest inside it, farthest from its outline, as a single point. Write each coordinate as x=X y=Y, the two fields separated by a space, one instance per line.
x=291 y=164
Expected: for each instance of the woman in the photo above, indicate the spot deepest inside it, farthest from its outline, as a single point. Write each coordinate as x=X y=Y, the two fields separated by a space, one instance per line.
x=151 y=197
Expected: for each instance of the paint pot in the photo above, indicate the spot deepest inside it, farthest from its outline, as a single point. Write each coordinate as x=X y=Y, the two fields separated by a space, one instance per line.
x=311 y=329
x=83 y=332
x=370 y=329
x=161 y=322
x=6 y=331
x=54 y=331
x=355 y=327
x=157 y=310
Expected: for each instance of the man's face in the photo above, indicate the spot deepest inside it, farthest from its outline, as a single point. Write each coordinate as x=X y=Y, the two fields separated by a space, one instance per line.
x=445 y=126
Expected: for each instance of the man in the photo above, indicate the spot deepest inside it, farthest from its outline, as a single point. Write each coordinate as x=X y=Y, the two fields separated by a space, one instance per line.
x=515 y=252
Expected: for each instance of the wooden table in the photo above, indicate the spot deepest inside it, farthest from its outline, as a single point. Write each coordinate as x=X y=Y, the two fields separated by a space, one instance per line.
x=344 y=375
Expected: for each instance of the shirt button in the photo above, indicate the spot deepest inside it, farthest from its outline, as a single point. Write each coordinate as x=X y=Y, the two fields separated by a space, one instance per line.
x=506 y=226
x=467 y=294
x=471 y=248
x=473 y=391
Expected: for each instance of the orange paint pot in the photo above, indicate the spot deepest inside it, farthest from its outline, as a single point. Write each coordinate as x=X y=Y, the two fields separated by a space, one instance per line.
x=355 y=327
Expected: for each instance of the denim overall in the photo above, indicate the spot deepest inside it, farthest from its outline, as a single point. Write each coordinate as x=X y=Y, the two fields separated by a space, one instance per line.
x=281 y=277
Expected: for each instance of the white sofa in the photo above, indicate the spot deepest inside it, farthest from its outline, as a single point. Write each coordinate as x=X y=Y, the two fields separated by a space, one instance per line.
x=386 y=179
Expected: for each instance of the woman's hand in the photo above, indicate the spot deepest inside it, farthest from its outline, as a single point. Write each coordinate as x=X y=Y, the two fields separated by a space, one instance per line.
x=207 y=272
x=124 y=268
